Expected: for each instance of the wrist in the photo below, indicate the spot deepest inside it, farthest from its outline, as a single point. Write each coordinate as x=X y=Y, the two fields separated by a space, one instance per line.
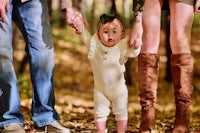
x=137 y=16
x=66 y=9
x=64 y=4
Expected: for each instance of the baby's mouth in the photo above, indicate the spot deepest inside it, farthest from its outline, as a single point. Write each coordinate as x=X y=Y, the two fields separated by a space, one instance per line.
x=110 y=40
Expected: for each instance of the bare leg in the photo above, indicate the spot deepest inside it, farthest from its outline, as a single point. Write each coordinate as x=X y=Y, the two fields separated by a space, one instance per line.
x=181 y=62
x=100 y=126
x=122 y=126
x=148 y=64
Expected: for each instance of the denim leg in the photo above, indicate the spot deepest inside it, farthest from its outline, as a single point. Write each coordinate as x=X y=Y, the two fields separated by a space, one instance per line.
x=32 y=19
x=9 y=94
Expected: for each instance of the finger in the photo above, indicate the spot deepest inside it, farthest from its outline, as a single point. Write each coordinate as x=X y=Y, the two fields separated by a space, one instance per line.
x=197 y=6
x=7 y=7
x=78 y=31
x=131 y=43
x=2 y=16
x=136 y=45
x=69 y=14
x=198 y=9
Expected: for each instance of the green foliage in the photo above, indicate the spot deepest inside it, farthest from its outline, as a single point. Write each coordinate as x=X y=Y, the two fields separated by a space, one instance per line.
x=196 y=18
x=196 y=23
x=24 y=87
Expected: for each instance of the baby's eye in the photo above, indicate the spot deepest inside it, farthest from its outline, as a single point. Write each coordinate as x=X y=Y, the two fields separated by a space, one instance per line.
x=114 y=31
x=105 y=32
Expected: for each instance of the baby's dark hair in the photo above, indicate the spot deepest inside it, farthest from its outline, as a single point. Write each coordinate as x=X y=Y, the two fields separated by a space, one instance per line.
x=105 y=18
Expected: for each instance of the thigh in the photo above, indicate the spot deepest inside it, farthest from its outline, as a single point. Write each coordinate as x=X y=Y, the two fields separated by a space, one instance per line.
x=33 y=20
x=120 y=104
x=101 y=106
x=151 y=25
x=6 y=36
x=181 y=20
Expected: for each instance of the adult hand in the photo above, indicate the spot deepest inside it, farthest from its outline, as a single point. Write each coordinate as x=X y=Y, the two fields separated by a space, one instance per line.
x=197 y=6
x=4 y=5
x=135 y=36
x=75 y=19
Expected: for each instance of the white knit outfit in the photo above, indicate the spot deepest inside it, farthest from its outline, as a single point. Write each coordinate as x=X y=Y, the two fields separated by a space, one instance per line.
x=108 y=71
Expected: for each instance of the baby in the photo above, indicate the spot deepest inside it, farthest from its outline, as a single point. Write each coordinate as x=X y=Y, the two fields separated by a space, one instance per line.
x=108 y=51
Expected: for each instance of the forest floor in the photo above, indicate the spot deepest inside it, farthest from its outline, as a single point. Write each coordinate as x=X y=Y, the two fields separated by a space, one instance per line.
x=73 y=83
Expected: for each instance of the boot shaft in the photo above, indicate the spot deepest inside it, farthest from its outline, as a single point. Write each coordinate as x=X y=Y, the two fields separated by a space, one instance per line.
x=182 y=71
x=148 y=78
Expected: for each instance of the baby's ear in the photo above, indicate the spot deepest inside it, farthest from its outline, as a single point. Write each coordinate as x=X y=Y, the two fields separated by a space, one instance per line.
x=123 y=35
x=98 y=36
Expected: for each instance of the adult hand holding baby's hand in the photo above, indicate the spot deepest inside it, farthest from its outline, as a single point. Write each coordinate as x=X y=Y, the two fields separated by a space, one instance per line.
x=75 y=19
x=135 y=36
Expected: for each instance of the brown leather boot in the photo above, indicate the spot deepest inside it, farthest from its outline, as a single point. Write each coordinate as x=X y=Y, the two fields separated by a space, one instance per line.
x=182 y=70
x=148 y=81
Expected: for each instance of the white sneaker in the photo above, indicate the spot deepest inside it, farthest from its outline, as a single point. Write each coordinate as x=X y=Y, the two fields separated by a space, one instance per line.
x=13 y=128
x=54 y=127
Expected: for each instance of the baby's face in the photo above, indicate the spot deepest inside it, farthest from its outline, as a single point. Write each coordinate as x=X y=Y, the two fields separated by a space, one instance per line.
x=110 y=33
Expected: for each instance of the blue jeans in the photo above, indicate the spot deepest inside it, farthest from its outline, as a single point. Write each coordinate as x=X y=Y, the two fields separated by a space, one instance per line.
x=32 y=19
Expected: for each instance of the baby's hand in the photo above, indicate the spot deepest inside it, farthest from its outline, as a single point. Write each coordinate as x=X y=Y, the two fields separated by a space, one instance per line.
x=135 y=36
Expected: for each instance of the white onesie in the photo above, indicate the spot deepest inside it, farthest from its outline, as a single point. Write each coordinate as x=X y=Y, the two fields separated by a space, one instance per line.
x=108 y=70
